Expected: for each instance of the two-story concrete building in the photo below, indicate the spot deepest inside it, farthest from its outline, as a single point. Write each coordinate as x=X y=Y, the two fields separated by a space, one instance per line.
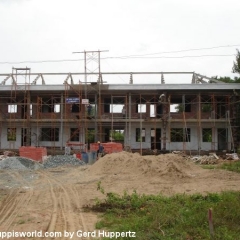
x=202 y=115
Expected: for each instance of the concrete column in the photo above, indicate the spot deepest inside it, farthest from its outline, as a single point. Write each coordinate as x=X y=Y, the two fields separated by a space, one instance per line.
x=164 y=122
x=129 y=118
x=199 y=126
x=61 y=122
x=27 y=115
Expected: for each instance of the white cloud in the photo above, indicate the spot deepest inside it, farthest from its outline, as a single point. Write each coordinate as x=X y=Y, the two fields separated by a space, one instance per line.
x=42 y=30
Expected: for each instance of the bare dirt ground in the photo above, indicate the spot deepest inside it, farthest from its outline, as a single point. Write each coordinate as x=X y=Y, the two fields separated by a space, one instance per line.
x=51 y=200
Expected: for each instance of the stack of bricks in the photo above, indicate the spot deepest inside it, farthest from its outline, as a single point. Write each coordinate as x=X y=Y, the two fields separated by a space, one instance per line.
x=110 y=147
x=35 y=153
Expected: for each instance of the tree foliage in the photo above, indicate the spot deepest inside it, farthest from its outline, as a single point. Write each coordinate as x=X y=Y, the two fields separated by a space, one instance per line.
x=228 y=79
x=236 y=64
x=117 y=135
x=179 y=108
x=235 y=69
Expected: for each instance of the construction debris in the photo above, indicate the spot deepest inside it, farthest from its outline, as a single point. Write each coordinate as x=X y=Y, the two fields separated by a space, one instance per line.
x=232 y=156
x=2 y=157
x=177 y=152
x=9 y=153
x=211 y=159
x=60 y=160
x=19 y=163
x=180 y=153
x=214 y=155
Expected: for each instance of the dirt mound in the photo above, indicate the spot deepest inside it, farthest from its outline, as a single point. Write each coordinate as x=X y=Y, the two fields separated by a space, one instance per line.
x=166 y=165
x=173 y=165
x=173 y=169
x=123 y=162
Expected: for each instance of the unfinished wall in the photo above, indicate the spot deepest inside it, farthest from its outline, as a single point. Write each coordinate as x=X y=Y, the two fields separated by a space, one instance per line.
x=52 y=118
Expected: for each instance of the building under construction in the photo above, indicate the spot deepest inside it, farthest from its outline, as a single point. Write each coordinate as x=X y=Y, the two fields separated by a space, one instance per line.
x=202 y=115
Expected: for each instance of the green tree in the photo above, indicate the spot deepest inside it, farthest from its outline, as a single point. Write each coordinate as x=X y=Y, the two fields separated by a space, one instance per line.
x=228 y=79
x=117 y=135
x=235 y=69
x=179 y=107
x=236 y=65
x=90 y=134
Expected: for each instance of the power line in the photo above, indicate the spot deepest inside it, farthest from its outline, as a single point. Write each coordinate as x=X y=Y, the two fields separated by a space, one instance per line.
x=185 y=50
x=77 y=60
x=197 y=56
x=142 y=56
x=43 y=61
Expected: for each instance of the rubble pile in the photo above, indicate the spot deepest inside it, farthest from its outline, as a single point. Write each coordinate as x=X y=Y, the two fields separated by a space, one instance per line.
x=2 y=157
x=19 y=163
x=211 y=159
x=60 y=160
x=9 y=153
x=232 y=156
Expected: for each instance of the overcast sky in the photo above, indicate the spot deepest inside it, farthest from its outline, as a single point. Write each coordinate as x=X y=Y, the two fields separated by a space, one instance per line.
x=161 y=32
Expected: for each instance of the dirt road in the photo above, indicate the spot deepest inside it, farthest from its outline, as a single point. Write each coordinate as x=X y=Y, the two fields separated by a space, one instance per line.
x=51 y=200
x=44 y=200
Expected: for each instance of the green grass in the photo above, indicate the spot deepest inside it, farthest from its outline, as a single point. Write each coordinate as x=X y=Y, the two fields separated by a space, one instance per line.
x=232 y=166
x=209 y=166
x=21 y=221
x=180 y=217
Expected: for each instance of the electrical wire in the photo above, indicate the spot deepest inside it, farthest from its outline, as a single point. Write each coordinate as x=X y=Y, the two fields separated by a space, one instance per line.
x=43 y=61
x=123 y=58
x=142 y=56
x=185 y=50
x=197 y=56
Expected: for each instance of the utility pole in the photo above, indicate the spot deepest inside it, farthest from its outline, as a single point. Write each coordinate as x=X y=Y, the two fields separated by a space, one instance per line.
x=93 y=58
x=92 y=67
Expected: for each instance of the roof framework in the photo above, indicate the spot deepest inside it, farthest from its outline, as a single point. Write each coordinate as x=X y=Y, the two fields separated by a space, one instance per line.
x=10 y=78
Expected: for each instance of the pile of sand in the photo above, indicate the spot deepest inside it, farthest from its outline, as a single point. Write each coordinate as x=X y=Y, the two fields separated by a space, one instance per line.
x=165 y=165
